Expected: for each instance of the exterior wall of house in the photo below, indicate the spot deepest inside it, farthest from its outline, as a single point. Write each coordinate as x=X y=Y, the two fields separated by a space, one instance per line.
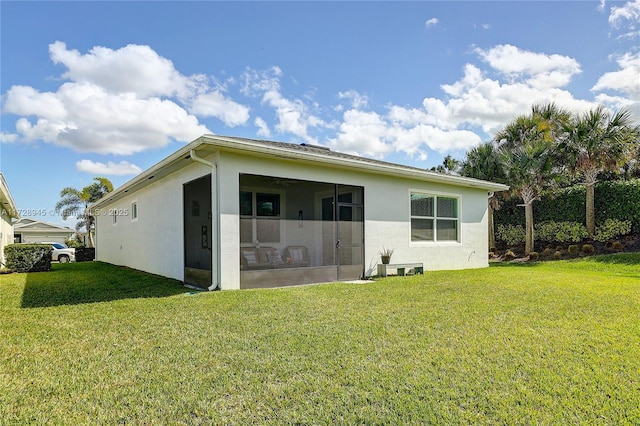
x=6 y=231
x=38 y=236
x=387 y=215
x=154 y=241
x=7 y=214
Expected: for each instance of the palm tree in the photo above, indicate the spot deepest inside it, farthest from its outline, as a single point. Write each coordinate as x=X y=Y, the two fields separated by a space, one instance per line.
x=526 y=153
x=528 y=168
x=546 y=122
x=483 y=162
x=449 y=165
x=76 y=202
x=596 y=142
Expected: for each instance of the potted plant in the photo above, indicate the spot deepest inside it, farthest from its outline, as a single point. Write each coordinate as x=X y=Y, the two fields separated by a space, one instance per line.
x=385 y=255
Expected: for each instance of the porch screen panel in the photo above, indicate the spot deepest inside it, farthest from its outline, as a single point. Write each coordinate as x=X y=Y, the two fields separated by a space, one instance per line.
x=289 y=230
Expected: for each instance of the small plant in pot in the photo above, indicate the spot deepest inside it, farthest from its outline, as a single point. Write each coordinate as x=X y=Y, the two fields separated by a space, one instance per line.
x=385 y=255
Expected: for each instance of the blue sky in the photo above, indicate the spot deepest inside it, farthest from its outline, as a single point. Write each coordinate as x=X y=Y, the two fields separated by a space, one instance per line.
x=110 y=88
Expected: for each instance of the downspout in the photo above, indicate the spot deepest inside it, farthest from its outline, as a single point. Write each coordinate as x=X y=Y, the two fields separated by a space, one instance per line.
x=215 y=209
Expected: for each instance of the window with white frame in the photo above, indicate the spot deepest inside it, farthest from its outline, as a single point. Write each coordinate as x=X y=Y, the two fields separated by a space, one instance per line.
x=259 y=217
x=434 y=217
x=134 y=210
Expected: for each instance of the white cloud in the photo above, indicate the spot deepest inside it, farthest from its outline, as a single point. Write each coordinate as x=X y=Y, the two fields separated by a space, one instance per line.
x=538 y=70
x=357 y=100
x=25 y=100
x=602 y=5
x=474 y=104
x=431 y=22
x=626 y=18
x=625 y=80
x=119 y=101
x=401 y=130
x=97 y=121
x=263 y=127
x=215 y=104
x=122 y=168
x=132 y=69
x=98 y=110
x=489 y=103
x=8 y=137
x=362 y=133
x=293 y=115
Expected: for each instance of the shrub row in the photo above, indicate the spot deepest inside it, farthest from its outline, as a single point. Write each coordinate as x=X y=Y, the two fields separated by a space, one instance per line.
x=613 y=200
x=28 y=257
x=563 y=232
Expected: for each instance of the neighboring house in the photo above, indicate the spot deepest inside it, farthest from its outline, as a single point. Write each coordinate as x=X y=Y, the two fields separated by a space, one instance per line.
x=8 y=212
x=230 y=213
x=28 y=230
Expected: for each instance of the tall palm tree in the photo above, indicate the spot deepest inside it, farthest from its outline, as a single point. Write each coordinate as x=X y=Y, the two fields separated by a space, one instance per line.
x=546 y=122
x=528 y=168
x=483 y=162
x=596 y=142
x=76 y=202
x=526 y=153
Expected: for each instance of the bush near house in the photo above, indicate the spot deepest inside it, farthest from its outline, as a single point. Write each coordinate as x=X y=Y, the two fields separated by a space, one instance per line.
x=618 y=200
x=561 y=232
x=612 y=228
x=85 y=254
x=28 y=257
x=510 y=234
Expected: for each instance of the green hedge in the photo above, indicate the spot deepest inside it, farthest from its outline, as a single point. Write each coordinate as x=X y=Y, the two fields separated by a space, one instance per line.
x=618 y=200
x=85 y=254
x=28 y=257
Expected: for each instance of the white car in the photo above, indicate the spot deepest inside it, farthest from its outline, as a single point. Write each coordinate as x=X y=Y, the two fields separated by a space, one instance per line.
x=62 y=253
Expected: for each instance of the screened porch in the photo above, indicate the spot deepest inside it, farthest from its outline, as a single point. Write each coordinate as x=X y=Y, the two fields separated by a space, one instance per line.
x=295 y=231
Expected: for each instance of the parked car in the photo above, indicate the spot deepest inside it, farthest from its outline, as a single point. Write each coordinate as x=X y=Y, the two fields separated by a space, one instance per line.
x=62 y=253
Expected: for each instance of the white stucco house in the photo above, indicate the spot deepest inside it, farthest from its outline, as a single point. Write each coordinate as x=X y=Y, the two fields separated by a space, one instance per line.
x=8 y=212
x=27 y=230
x=232 y=213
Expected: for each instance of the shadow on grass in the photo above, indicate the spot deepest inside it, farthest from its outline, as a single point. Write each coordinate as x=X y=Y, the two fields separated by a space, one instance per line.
x=629 y=259
x=506 y=264
x=92 y=282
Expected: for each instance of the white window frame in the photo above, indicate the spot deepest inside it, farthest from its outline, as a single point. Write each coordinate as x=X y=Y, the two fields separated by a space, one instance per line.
x=436 y=195
x=254 y=216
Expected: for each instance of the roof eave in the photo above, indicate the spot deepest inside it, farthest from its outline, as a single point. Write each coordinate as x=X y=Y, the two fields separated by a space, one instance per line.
x=388 y=168
x=6 y=198
x=148 y=174
x=248 y=146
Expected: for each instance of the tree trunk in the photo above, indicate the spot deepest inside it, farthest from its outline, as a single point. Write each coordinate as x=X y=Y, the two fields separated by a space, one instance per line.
x=528 y=214
x=492 y=231
x=87 y=221
x=591 y=210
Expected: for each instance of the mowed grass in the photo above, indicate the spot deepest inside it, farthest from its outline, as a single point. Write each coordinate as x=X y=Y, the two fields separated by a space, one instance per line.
x=549 y=343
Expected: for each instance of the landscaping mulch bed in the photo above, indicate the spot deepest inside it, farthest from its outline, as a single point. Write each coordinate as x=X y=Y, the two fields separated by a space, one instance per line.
x=630 y=244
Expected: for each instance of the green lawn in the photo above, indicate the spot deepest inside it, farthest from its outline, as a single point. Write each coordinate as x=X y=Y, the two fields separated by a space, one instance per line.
x=547 y=343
